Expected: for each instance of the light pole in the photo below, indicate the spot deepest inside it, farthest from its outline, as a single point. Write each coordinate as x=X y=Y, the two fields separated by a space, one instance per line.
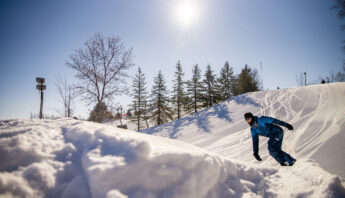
x=41 y=87
x=305 y=78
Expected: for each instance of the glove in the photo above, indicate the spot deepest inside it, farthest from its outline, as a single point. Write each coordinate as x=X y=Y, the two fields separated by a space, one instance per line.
x=257 y=157
x=289 y=126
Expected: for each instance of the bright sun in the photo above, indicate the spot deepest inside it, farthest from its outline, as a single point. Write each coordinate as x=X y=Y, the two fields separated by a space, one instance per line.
x=186 y=12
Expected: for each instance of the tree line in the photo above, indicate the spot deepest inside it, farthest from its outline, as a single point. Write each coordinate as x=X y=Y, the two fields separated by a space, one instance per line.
x=101 y=68
x=187 y=96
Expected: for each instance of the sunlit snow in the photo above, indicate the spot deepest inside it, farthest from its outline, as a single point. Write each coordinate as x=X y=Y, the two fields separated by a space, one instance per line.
x=208 y=154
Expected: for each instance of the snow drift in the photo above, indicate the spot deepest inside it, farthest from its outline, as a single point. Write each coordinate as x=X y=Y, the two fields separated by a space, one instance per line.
x=317 y=113
x=70 y=158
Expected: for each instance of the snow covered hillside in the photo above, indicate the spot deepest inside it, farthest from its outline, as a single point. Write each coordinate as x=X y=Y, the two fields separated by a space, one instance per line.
x=71 y=158
x=317 y=113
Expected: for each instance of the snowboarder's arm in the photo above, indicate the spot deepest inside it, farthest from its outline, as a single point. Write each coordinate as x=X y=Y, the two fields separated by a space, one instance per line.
x=281 y=123
x=270 y=120
x=255 y=138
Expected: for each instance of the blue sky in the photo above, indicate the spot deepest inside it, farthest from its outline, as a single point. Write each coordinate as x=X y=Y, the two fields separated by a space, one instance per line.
x=288 y=37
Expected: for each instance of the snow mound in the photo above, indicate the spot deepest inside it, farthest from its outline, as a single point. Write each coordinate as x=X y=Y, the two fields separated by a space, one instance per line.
x=317 y=113
x=69 y=158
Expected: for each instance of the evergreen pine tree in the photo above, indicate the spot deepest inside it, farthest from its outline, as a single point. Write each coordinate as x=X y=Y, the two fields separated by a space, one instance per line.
x=145 y=116
x=194 y=90
x=140 y=96
x=179 y=92
x=100 y=113
x=226 y=82
x=247 y=81
x=209 y=95
x=160 y=111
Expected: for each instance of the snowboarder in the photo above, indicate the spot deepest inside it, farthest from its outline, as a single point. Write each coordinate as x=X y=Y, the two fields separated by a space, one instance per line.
x=268 y=127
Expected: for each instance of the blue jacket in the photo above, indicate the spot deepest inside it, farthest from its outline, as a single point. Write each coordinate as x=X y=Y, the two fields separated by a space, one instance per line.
x=264 y=126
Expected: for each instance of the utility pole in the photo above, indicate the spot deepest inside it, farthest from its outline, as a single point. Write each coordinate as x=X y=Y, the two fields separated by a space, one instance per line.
x=41 y=87
x=305 y=78
x=262 y=81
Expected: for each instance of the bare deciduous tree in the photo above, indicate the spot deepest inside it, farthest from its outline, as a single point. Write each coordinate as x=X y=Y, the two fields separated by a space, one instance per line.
x=65 y=91
x=340 y=76
x=339 y=7
x=299 y=79
x=101 y=68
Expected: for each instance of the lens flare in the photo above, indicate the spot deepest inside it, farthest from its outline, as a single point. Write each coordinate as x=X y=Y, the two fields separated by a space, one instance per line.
x=186 y=12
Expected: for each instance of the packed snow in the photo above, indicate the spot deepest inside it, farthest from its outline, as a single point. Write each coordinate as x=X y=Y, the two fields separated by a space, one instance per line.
x=208 y=154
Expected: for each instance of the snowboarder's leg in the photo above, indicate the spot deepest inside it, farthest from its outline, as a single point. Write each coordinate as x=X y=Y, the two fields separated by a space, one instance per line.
x=287 y=157
x=274 y=148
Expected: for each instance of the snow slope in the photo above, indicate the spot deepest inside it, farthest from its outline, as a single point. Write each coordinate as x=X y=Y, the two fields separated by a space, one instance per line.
x=317 y=113
x=71 y=158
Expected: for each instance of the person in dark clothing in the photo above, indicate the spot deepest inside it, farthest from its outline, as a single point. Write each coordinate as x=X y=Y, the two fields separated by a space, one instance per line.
x=268 y=127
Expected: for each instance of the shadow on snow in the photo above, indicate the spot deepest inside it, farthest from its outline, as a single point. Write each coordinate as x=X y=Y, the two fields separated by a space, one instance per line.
x=201 y=118
x=244 y=100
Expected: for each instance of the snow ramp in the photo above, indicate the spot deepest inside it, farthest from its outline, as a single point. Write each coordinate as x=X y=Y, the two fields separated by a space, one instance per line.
x=317 y=113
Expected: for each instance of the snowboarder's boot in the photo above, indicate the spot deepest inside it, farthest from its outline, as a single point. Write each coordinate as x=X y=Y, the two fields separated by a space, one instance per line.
x=286 y=163
x=292 y=162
